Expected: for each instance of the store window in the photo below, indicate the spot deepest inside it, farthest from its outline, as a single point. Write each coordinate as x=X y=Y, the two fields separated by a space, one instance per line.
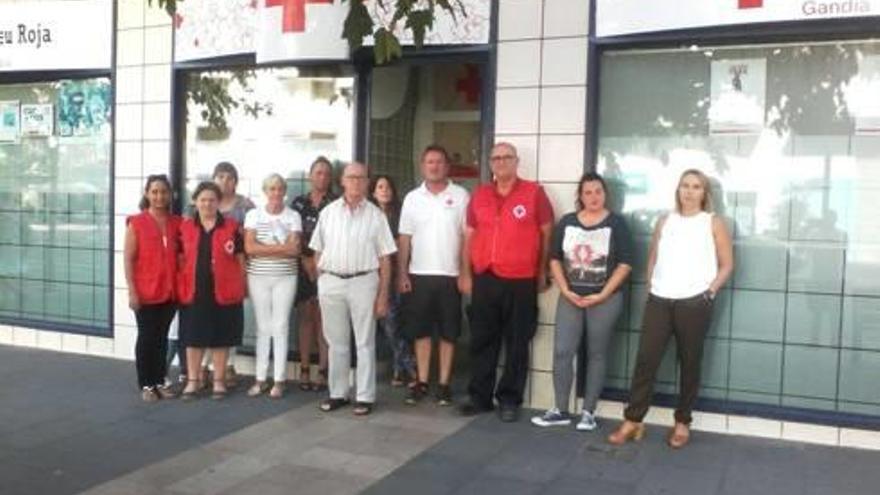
x=55 y=151
x=790 y=136
x=415 y=105
x=281 y=119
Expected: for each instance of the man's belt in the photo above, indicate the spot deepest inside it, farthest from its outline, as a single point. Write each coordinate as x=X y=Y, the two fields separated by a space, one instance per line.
x=346 y=276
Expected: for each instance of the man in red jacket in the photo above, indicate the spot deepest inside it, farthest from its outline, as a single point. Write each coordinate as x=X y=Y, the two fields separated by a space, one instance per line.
x=509 y=222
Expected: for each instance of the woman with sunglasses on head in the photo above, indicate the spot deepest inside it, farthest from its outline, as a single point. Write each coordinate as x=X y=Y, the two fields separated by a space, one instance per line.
x=690 y=259
x=150 y=256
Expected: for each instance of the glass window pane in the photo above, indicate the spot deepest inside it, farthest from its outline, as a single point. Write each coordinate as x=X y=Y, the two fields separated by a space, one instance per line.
x=813 y=319
x=861 y=323
x=816 y=268
x=758 y=315
x=797 y=181
x=755 y=367
x=53 y=204
x=810 y=372
x=858 y=376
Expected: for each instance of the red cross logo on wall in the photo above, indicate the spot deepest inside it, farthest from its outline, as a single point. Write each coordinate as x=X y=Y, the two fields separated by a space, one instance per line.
x=294 y=13
x=751 y=4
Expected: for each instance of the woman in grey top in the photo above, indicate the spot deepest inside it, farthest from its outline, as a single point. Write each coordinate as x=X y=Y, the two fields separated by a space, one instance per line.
x=591 y=256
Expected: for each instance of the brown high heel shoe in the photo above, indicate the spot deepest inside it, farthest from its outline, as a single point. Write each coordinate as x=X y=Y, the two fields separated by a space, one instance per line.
x=628 y=430
x=679 y=436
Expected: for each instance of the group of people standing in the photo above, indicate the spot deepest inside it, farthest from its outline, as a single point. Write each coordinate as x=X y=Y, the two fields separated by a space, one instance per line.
x=347 y=262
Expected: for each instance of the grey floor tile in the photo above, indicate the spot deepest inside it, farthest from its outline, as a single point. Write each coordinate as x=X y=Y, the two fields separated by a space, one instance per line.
x=300 y=480
x=573 y=486
x=669 y=480
x=490 y=485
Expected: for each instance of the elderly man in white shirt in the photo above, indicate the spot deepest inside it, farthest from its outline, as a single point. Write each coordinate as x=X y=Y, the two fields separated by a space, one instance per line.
x=353 y=243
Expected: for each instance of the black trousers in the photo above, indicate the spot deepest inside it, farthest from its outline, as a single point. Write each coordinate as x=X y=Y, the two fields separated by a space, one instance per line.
x=503 y=311
x=151 y=347
x=688 y=320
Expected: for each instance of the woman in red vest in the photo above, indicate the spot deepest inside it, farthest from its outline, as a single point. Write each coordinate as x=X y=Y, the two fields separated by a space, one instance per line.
x=210 y=285
x=150 y=271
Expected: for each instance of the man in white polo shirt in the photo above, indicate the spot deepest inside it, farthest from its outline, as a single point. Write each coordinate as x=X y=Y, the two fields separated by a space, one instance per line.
x=432 y=223
x=352 y=243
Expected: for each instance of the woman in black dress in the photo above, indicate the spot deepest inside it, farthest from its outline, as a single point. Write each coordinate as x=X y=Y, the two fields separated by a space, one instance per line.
x=210 y=287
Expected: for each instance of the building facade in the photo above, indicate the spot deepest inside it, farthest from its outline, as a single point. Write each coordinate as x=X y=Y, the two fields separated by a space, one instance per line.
x=777 y=101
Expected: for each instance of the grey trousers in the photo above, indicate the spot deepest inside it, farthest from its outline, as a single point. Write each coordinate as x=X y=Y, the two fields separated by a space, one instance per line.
x=346 y=305
x=572 y=323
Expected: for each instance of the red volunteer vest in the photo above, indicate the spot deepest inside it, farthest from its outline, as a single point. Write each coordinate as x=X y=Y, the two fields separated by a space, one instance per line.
x=156 y=266
x=228 y=279
x=507 y=236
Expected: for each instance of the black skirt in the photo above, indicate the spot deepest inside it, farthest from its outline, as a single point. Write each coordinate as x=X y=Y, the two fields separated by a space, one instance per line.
x=204 y=323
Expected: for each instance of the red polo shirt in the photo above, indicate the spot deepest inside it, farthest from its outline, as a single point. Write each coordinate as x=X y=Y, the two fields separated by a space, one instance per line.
x=507 y=229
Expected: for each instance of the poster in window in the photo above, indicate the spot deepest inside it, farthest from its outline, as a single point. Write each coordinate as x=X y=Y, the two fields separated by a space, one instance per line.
x=9 y=121
x=37 y=120
x=738 y=95
x=860 y=95
x=83 y=108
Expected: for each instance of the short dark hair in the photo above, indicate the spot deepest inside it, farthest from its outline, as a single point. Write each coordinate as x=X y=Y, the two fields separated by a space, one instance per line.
x=207 y=186
x=321 y=160
x=437 y=149
x=589 y=177
x=145 y=203
x=227 y=168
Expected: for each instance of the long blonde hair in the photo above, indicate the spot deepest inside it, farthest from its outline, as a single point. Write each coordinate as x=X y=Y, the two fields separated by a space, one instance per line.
x=707 y=204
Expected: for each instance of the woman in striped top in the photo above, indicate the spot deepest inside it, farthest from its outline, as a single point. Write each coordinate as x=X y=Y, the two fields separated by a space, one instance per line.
x=271 y=241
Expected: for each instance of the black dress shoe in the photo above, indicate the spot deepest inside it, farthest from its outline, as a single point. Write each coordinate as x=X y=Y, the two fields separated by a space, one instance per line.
x=471 y=408
x=509 y=414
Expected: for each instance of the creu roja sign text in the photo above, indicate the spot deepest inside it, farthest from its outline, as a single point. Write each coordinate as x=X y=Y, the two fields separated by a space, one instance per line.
x=22 y=34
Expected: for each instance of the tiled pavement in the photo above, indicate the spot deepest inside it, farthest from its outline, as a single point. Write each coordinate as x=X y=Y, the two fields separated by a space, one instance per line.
x=71 y=424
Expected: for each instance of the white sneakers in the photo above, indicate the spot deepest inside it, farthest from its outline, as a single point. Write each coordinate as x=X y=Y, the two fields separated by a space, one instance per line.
x=553 y=417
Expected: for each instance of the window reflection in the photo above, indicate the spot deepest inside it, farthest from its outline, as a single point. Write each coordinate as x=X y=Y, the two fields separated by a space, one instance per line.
x=796 y=190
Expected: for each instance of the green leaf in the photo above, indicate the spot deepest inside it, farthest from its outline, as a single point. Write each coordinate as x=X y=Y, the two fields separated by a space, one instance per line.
x=387 y=46
x=170 y=6
x=419 y=22
x=358 y=24
x=402 y=10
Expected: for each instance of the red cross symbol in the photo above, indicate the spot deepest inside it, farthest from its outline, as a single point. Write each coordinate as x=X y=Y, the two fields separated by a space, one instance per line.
x=470 y=85
x=294 y=14
x=751 y=4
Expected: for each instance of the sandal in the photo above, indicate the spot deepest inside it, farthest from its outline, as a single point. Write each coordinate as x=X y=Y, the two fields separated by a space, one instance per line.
x=328 y=405
x=231 y=377
x=191 y=393
x=397 y=380
x=277 y=391
x=679 y=436
x=362 y=408
x=219 y=393
x=321 y=384
x=305 y=384
x=257 y=389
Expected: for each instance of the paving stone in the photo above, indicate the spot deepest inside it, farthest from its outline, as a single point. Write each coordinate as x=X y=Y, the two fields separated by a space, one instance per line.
x=573 y=486
x=667 y=480
x=491 y=485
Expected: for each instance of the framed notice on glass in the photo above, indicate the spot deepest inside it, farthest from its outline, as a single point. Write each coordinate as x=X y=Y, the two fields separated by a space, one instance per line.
x=9 y=121
x=37 y=120
x=739 y=88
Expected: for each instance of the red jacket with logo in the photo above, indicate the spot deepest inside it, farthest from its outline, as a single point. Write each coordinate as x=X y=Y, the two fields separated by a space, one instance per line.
x=507 y=229
x=228 y=278
x=156 y=266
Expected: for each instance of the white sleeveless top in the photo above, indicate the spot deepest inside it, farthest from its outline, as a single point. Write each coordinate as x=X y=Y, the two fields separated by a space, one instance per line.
x=686 y=259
